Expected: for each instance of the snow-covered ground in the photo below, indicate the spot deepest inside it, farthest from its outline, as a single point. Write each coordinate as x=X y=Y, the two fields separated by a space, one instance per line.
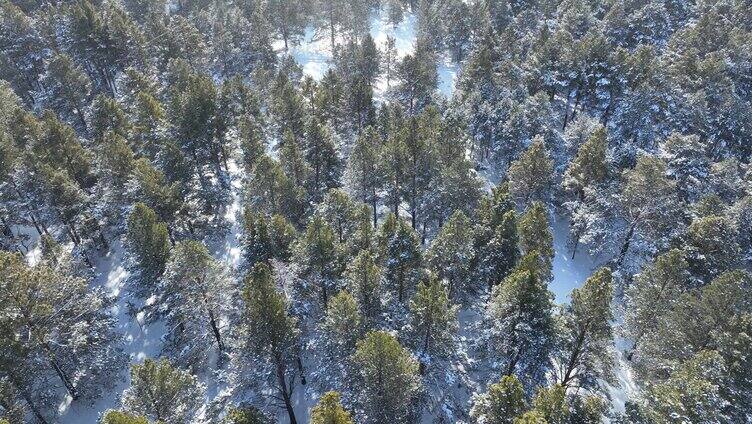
x=314 y=53
x=568 y=273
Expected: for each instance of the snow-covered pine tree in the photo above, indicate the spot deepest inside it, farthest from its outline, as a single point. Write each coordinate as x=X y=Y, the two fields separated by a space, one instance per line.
x=271 y=333
x=390 y=383
x=162 y=392
x=329 y=411
x=197 y=297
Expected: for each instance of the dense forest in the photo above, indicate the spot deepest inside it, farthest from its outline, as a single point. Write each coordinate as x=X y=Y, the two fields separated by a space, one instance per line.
x=345 y=211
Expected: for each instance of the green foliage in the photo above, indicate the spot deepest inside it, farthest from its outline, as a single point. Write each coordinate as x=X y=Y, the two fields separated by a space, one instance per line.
x=551 y=403
x=161 y=392
x=402 y=257
x=451 y=254
x=585 y=358
x=535 y=237
x=503 y=403
x=521 y=325
x=530 y=175
x=148 y=239
x=390 y=381
x=433 y=318
x=364 y=277
x=342 y=324
x=246 y=415
x=330 y=411
x=118 y=417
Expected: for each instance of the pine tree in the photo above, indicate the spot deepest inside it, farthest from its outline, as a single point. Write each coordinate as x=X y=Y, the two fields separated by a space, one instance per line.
x=655 y=290
x=433 y=319
x=530 y=176
x=342 y=324
x=401 y=257
x=451 y=254
x=551 y=403
x=584 y=356
x=503 y=403
x=108 y=116
x=363 y=174
x=390 y=382
x=530 y=417
x=495 y=239
x=535 y=237
x=271 y=191
x=330 y=411
x=246 y=415
x=68 y=89
x=198 y=295
x=711 y=247
x=340 y=212
x=319 y=257
x=364 y=277
x=257 y=242
x=118 y=417
x=521 y=326
x=149 y=185
x=270 y=331
x=417 y=78
x=648 y=202
x=691 y=394
x=70 y=344
x=162 y=392
x=584 y=178
x=148 y=242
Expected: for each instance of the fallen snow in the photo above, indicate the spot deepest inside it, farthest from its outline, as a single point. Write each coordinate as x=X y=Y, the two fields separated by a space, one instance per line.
x=314 y=53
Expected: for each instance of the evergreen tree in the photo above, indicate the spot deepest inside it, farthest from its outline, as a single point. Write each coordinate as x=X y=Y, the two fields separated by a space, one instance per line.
x=363 y=174
x=503 y=403
x=257 y=242
x=246 y=415
x=495 y=239
x=68 y=89
x=342 y=324
x=417 y=79
x=117 y=417
x=390 y=382
x=530 y=176
x=148 y=242
x=401 y=257
x=270 y=331
x=584 y=357
x=58 y=332
x=451 y=254
x=712 y=247
x=198 y=295
x=433 y=319
x=521 y=326
x=583 y=182
x=319 y=257
x=535 y=237
x=162 y=392
x=364 y=277
x=648 y=202
x=691 y=394
x=330 y=411
x=655 y=290
x=551 y=403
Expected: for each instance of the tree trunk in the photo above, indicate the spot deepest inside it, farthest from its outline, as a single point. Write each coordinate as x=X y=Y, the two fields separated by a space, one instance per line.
x=27 y=398
x=284 y=390
x=60 y=373
x=215 y=330
x=625 y=246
